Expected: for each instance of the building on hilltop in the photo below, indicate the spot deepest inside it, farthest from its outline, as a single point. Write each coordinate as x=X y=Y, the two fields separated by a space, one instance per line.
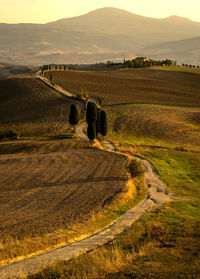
x=142 y=59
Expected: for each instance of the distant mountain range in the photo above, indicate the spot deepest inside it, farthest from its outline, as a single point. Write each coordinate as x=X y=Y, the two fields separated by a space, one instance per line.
x=185 y=51
x=104 y=34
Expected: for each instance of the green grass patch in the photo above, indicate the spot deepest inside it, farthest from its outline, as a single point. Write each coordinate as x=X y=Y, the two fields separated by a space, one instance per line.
x=179 y=170
x=138 y=140
x=188 y=209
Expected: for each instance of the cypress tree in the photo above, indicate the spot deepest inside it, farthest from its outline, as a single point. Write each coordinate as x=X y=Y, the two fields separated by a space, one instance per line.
x=98 y=122
x=103 y=123
x=91 y=113
x=91 y=132
x=73 y=115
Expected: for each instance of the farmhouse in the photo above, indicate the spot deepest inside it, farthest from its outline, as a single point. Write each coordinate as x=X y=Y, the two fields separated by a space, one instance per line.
x=142 y=59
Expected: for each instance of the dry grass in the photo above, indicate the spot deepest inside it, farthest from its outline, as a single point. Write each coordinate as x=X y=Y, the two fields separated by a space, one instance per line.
x=32 y=108
x=177 y=69
x=155 y=125
x=134 y=86
x=153 y=248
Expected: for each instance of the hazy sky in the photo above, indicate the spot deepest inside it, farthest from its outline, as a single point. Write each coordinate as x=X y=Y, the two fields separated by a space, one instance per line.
x=42 y=11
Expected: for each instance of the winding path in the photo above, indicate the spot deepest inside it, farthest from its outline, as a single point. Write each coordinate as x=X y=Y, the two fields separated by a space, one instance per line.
x=157 y=195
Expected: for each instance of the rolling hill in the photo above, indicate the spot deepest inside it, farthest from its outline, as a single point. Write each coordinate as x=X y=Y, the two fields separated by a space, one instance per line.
x=103 y=34
x=30 y=107
x=139 y=86
x=182 y=50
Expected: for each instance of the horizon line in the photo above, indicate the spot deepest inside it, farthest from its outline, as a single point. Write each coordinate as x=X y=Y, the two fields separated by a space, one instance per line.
x=39 y=23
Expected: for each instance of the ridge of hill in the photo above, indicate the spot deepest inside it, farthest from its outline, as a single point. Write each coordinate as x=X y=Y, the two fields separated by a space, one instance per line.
x=183 y=50
x=101 y=35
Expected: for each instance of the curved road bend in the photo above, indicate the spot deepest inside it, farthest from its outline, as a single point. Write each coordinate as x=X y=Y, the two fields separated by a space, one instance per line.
x=157 y=195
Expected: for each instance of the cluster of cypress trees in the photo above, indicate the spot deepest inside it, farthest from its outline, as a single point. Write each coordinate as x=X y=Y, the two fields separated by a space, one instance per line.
x=95 y=117
x=96 y=120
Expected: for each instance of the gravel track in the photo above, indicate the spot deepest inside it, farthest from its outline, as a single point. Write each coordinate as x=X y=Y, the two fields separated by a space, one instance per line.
x=157 y=195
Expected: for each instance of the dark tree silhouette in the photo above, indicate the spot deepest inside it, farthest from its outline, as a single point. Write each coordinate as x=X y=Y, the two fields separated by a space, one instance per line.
x=103 y=123
x=91 y=113
x=73 y=116
x=98 y=122
x=91 y=132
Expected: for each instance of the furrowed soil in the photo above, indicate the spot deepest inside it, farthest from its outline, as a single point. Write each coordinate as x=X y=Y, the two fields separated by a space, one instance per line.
x=48 y=186
x=134 y=86
x=31 y=108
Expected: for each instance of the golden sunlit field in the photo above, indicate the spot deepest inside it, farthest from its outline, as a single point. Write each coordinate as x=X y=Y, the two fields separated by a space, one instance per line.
x=155 y=125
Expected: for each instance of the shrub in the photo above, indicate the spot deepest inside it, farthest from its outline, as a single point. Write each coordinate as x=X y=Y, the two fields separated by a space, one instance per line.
x=80 y=96
x=11 y=135
x=136 y=169
x=2 y=136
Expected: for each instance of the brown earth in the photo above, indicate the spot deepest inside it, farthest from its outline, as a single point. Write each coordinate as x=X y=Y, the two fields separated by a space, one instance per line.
x=179 y=126
x=32 y=108
x=52 y=185
x=134 y=86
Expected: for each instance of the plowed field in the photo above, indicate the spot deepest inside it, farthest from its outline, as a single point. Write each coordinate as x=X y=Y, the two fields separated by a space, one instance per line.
x=48 y=186
x=32 y=108
x=134 y=86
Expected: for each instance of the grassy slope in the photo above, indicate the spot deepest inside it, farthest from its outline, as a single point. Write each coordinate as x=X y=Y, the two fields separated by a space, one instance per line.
x=155 y=125
x=177 y=69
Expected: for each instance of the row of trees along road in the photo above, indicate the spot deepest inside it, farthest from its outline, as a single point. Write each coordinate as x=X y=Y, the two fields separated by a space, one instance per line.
x=96 y=120
x=95 y=117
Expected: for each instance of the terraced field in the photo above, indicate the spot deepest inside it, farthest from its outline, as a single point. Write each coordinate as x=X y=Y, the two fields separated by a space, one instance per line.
x=32 y=108
x=144 y=86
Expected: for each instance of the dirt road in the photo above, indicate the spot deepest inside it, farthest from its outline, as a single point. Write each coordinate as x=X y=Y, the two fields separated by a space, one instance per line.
x=157 y=195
